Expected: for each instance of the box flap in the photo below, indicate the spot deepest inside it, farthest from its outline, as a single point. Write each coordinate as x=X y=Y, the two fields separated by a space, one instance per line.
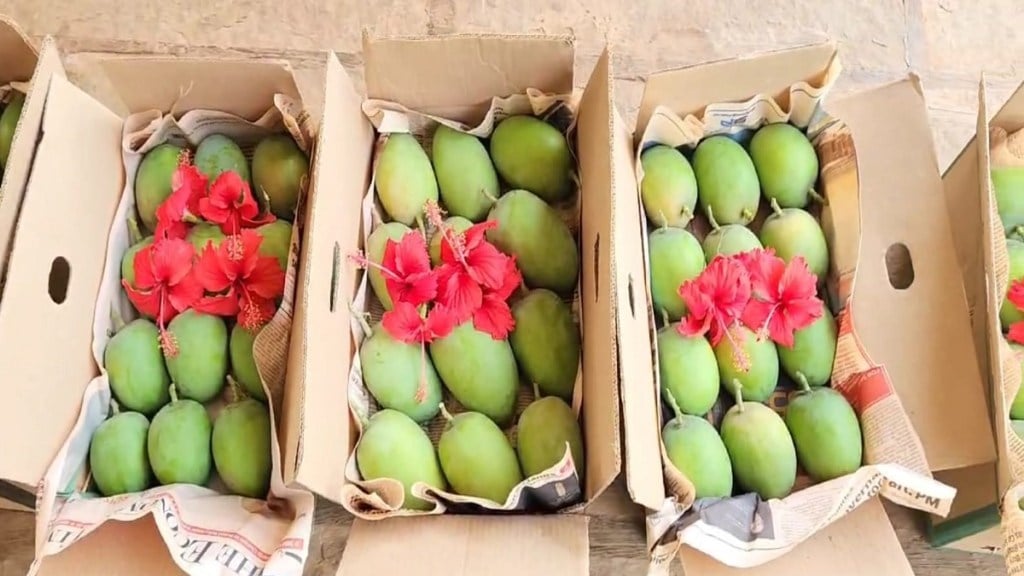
x=104 y=553
x=862 y=543
x=18 y=52
x=921 y=334
x=316 y=404
x=171 y=83
x=468 y=546
x=456 y=76
x=53 y=277
x=688 y=90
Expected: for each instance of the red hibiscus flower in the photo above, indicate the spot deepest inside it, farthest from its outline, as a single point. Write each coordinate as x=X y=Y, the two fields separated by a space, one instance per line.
x=231 y=205
x=785 y=298
x=188 y=186
x=165 y=283
x=1016 y=296
x=243 y=282
x=407 y=270
x=405 y=323
x=715 y=299
x=494 y=315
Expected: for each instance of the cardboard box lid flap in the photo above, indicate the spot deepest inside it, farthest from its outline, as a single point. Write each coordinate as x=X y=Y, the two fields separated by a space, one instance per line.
x=456 y=76
x=689 y=90
x=103 y=552
x=181 y=84
x=53 y=277
x=322 y=346
x=468 y=546
x=18 y=53
x=921 y=333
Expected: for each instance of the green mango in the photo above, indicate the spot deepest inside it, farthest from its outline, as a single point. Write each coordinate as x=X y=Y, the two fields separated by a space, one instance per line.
x=760 y=448
x=375 y=246
x=203 y=234
x=1008 y=188
x=465 y=175
x=128 y=260
x=135 y=367
x=545 y=427
x=199 y=364
x=217 y=154
x=395 y=373
x=535 y=234
x=676 y=256
x=669 y=188
x=826 y=433
x=1017 y=406
x=477 y=458
x=727 y=186
x=243 y=364
x=531 y=154
x=9 y=125
x=457 y=225
x=393 y=446
x=241 y=448
x=813 y=352
x=688 y=370
x=1018 y=427
x=153 y=181
x=277 y=241
x=786 y=164
x=695 y=449
x=728 y=240
x=794 y=232
x=117 y=455
x=546 y=342
x=762 y=362
x=405 y=179
x=279 y=171
x=478 y=370
x=1008 y=313
x=178 y=444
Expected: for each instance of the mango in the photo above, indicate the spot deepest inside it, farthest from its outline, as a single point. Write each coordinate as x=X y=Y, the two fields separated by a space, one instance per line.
x=535 y=234
x=279 y=172
x=669 y=188
x=178 y=444
x=393 y=446
x=1008 y=312
x=546 y=342
x=400 y=376
x=243 y=364
x=9 y=124
x=217 y=154
x=477 y=458
x=531 y=154
x=1008 y=188
x=203 y=234
x=695 y=449
x=786 y=164
x=688 y=370
x=676 y=256
x=241 y=448
x=727 y=186
x=728 y=240
x=128 y=260
x=1018 y=427
x=135 y=367
x=153 y=182
x=545 y=428
x=405 y=179
x=277 y=241
x=1017 y=406
x=199 y=362
x=794 y=232
x=478 y=370
x=376 y=244
x=456 y=224
x=117 y=455
x=826 y=433
x=760 y=448
x=466 y=177
x=813 y=352
x=746 y=360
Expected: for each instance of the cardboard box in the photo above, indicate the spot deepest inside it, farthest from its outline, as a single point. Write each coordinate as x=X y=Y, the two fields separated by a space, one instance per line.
x=455 y=78
x=887 y=161
x=75 y=212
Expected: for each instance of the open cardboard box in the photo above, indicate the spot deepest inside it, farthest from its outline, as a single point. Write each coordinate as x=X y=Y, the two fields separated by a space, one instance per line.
x=73 y=214
x=456 y=78
x=900 y=204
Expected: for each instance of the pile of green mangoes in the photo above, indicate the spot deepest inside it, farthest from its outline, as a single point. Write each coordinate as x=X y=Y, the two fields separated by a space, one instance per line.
x=1008 y=188
x=518 y=179
x=8 y=124
x=754 y=445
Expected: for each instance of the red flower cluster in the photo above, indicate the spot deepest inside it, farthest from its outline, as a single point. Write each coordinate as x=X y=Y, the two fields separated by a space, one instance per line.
x=231 y=280
x=1016 y=297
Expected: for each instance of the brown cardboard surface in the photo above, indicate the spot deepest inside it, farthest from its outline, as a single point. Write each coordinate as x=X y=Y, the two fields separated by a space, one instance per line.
x=470 y=545
x=45 y=345
x=104 y=553
x=18 y=52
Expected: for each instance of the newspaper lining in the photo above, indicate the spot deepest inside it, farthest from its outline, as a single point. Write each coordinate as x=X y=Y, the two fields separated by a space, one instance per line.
x=557 y=489
x=206 y=532
x=744 y=531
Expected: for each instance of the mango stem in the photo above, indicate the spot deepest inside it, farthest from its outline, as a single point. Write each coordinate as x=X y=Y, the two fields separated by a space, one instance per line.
x=489 y=196
x=687 y=212
x=711 y=218
x=363 y=324
x=801 y=380
x=664 y=221
x=816 y=197
x=174 y=393
x=134 y=233
x=421 y=226
x=445 y=413
x=114 y=408
x=739 y=394
x=775 y=207
x=236 y=390
x=1017 y=231
x=748 y=214
x=664 y=317
x=116 y=319
x=674 y=405
x=536 y=391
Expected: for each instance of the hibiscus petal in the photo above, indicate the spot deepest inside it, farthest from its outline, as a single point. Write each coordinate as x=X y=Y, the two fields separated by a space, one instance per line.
x=756 y=314
x=1016 y=333
x=185 y=293
x=172 y=259
x=487 y=265
x=210 y=273
x=403 y=323
x=389 y=261
x=142 y=264
x=1015 y=294
x=440 y=323
x=475 y=234
x=698 y=303
x=266 y=279
x=511 y=280
x=411 y=256
x=191 y=183
x=254 y=311
x=495 y=318
x=415 y=289
x=448 y=255
x=227 y=189
x=220 y=305
x=214 y=213
x=803 y=312
x=458 y=292
x=781 y=330
x=147 y=302
x=693 y=326
x=797 y=281
x=250 y=241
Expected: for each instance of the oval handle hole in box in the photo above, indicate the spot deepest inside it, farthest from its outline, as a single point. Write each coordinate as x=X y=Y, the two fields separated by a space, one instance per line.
x=60 y=275
x=899 y=266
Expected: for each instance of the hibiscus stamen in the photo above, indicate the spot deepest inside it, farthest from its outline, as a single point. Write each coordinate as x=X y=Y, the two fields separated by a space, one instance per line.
x=456 y=240
x=739 y=355
x=168 y=342
x=421 y=390
x=360 y=260
x=763 y=331
x=234 y=247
